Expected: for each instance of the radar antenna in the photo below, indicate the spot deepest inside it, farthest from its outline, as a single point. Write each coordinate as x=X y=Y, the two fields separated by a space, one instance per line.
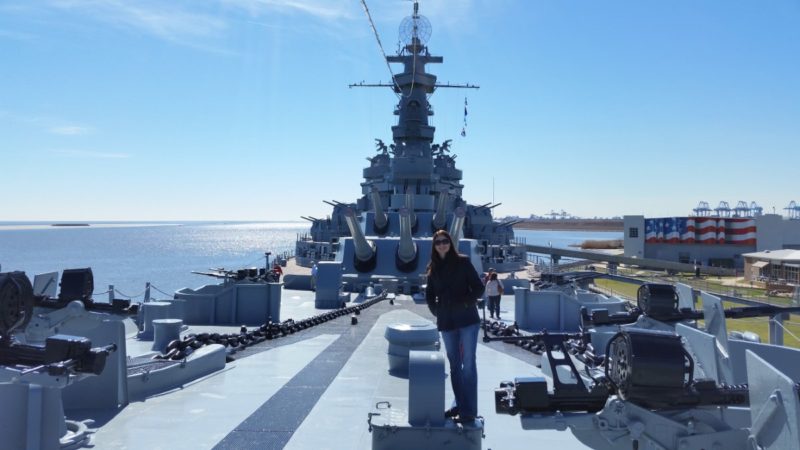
x=415 y=30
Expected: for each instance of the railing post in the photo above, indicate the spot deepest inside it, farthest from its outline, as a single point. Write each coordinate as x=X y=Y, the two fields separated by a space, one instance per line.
x=776 y=329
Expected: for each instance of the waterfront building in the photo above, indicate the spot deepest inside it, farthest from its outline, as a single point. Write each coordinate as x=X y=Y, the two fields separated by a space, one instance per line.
x=773 y=266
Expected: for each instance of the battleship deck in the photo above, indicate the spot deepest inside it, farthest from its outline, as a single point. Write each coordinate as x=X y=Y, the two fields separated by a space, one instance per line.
x=313 y=389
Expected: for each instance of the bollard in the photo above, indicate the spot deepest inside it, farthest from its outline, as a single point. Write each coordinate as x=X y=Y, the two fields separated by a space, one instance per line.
x=404 y=337
x=165 y=331
x=152 y=311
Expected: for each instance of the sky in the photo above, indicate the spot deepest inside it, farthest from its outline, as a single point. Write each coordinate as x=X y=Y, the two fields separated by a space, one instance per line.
x=240 y=109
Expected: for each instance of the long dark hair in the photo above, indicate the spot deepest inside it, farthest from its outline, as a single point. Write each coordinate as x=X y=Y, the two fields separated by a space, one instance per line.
x=437 y=262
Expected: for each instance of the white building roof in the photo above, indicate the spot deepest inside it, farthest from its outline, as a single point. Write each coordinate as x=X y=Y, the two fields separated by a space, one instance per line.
x=786 y=255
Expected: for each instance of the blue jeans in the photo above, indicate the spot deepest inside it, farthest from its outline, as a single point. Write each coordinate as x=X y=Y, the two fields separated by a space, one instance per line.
x=460 y=345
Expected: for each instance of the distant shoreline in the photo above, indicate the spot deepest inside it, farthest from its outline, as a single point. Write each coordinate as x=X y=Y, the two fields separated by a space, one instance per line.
x=572 y=225
x=61 y=226
x=76 y=226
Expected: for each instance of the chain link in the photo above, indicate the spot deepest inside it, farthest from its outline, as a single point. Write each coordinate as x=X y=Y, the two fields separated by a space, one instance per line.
x=128 y=296
x=159 y=290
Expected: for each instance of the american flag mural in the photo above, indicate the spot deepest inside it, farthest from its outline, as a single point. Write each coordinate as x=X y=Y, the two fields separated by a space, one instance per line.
x=686 y=229
x=706 y=231
x=700 y=230
x=740 y=231
x=650 y=231
x=671 y=234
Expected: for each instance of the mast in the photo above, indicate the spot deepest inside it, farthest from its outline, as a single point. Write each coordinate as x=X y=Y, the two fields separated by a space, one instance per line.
x=412 y=166
x=413 y=134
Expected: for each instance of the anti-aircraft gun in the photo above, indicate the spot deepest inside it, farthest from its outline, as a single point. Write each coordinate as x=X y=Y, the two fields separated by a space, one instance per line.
x=32 y=376
x=648 y=368
x=61 y=354
x=660 y=302
x=677 y=387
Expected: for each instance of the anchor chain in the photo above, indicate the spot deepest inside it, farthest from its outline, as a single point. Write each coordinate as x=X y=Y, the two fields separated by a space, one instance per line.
x=500 y=329
x=179 y=349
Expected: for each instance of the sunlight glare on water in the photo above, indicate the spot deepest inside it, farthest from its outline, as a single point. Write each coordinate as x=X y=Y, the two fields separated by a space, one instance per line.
x=128 y=257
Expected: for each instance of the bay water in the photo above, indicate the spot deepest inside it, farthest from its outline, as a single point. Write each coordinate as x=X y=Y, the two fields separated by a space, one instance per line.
x=128 y=255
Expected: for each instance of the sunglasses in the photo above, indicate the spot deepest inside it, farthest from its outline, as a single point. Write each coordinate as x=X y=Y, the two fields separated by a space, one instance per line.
x=441 y=242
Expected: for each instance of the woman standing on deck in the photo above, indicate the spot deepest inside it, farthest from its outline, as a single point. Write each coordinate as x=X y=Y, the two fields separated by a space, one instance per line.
x=452 y=293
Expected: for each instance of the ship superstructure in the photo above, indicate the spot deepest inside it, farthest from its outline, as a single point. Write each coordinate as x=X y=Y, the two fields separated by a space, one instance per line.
x=412 y=176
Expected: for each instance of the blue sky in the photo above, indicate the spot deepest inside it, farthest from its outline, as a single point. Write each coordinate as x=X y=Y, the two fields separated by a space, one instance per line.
x=240 y=110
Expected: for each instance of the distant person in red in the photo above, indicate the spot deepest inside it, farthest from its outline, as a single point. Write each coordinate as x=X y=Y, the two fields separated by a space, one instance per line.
x=277 y=272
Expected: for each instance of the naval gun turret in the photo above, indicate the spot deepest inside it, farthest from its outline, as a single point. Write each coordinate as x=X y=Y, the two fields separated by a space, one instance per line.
x=411 y=189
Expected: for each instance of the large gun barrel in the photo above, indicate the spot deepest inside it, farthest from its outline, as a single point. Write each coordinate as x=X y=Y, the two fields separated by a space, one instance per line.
x=365 y=252
x=406 y=257
x=440 y=217
x=409 y=200
x=459 y=215
x=508 y=223
x=381 y=220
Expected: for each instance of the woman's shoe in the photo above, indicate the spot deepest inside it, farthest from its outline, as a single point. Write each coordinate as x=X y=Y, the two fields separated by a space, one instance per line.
x=465 y=420
x=452 y=412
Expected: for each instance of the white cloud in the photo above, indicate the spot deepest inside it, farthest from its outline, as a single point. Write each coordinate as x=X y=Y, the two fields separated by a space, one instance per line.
x=201 y=24
x=70 y=130
x=322 y=9
x=50 y=124
x=91 y=154
x=162 y=19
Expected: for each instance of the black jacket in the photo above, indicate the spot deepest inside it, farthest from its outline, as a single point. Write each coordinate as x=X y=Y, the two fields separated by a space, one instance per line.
x=452 y=294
